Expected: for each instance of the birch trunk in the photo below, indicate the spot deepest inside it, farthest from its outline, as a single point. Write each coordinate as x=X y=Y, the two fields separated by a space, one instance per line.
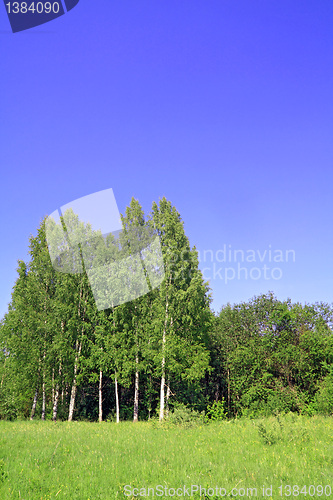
x=115 y=374
x=228 y=372
x=78 y=347
x=168 y=392
x=43 y=400
x=34 y=404
x=117 y=398
x=44 y=355
x=72 y=400
x=149 y=398
x=100 y=407
x=56 y=398
x=162 y=388
x=73 y=391
x=52 y=384
x=163 y=364
x=55 y=404
x=136 y=392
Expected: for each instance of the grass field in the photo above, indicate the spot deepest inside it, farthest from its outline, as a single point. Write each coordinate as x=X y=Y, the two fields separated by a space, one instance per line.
x=90 y=461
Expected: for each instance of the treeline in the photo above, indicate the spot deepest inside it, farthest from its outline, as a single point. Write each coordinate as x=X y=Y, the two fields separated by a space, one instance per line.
x=270 y=356
x=62 y=357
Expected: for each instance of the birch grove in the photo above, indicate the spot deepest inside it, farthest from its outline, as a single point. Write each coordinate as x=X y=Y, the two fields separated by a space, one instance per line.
x=71 y=358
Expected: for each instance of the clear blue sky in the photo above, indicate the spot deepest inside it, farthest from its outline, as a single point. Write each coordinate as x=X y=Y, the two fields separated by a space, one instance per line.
x=225 y=108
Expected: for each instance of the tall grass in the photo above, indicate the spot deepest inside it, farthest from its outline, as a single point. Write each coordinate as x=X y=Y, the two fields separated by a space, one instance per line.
x=90 y=461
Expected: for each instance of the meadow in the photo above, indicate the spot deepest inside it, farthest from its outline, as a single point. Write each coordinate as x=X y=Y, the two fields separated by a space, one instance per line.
x=102 y=461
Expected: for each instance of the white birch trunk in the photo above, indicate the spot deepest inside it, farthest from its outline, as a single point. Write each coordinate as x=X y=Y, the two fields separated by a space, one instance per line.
x=149 y=399
x=100 y=401
x=168 y=392
x=43 y=386
x=162 y=388
x=115 y=375
x=117 y=398
x=228 y=392
x=52 y=384
x=78 y=347
x=56 y=398
x=34 y=404
x=72 y=400
x=161 y=417
x=43 y=400
x=44 y=355
x=55 y=404
x=136 y=392
x=73 y=391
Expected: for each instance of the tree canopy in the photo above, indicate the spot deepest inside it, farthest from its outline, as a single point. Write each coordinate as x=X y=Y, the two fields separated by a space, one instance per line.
x=120 y=327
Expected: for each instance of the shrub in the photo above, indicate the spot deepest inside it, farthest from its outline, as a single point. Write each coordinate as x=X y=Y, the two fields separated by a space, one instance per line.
x=216 y=411
x=184 y=416
x=324 y=397
x=264 y=402
x=309 y=409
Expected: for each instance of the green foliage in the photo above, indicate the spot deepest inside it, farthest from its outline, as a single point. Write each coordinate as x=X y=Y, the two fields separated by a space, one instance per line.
x=252 y=359
x=8 y=410
x=216 y=411
x=184 y=416
x=270 y=356
x=310 y=409
x=263 y=401
x=324 y=397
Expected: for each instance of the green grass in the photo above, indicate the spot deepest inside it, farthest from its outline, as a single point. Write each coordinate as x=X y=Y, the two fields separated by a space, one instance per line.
x=90 y=461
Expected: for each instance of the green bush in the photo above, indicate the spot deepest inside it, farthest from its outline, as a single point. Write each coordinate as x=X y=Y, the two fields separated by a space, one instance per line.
x=264 y=402
x=324 y=397
x=216 y=411
x=283 y=400
x=184 y=416
x=308 y=406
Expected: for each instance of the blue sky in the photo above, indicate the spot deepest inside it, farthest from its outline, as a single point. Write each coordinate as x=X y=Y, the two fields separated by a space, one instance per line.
x=223 y=107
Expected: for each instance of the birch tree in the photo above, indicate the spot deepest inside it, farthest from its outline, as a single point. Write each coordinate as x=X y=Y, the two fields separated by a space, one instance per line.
x=182 y=304
x=134 y=239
